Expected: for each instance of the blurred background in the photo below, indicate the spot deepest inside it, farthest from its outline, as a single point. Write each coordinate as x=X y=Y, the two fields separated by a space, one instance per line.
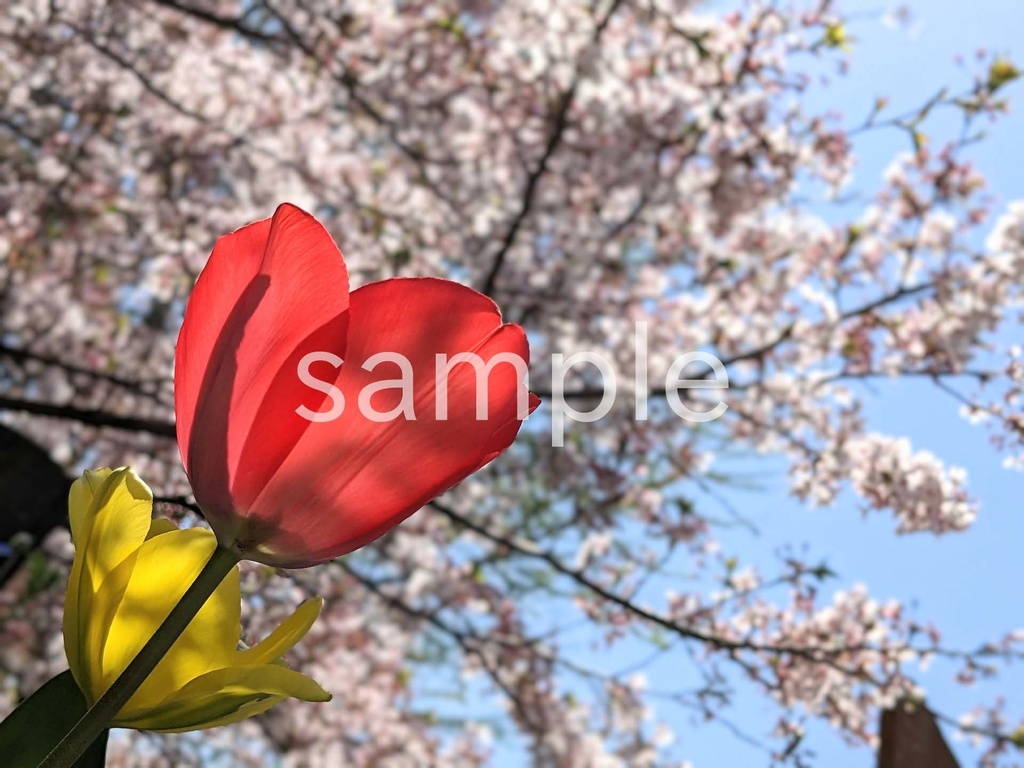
x=822 y=195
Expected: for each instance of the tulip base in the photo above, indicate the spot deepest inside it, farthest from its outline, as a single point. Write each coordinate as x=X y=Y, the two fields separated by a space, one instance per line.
x=102 y=713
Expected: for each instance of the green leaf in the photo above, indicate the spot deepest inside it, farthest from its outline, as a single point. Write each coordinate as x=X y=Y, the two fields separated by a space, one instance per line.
x=1017 y=737
x=836 y=37
x=1000 y=73
x=42 y=720
x=823 y=572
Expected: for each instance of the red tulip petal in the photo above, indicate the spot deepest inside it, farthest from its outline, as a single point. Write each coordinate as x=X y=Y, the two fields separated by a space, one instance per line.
x=204 y=336
x=504 y=435
x=270 y=293
x=348 y=481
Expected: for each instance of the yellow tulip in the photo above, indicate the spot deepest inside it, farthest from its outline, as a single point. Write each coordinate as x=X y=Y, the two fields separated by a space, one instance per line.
x=129 y=571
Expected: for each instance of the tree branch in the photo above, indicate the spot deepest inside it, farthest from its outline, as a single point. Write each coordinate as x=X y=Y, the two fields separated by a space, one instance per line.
x=560 y=122
x=94 y=418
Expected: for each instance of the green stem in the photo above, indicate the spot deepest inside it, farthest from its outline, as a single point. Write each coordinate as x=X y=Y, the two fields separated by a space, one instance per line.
x=116 y=696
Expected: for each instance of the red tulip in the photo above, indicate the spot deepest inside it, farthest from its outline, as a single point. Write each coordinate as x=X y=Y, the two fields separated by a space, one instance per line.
x=282 y=477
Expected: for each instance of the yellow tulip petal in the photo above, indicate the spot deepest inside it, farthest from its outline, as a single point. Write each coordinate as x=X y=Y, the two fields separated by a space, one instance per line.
x=80 y=514
x=80 y=500
x=218 y=695
x=282 y=639
x=263 y=679
x=110 y=514
x=249 y=709
x=120 y=515
x=160 y=525
x=164 y=568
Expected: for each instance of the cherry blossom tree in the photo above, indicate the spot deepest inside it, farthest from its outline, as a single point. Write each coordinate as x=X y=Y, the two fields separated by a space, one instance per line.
x=615 y=174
